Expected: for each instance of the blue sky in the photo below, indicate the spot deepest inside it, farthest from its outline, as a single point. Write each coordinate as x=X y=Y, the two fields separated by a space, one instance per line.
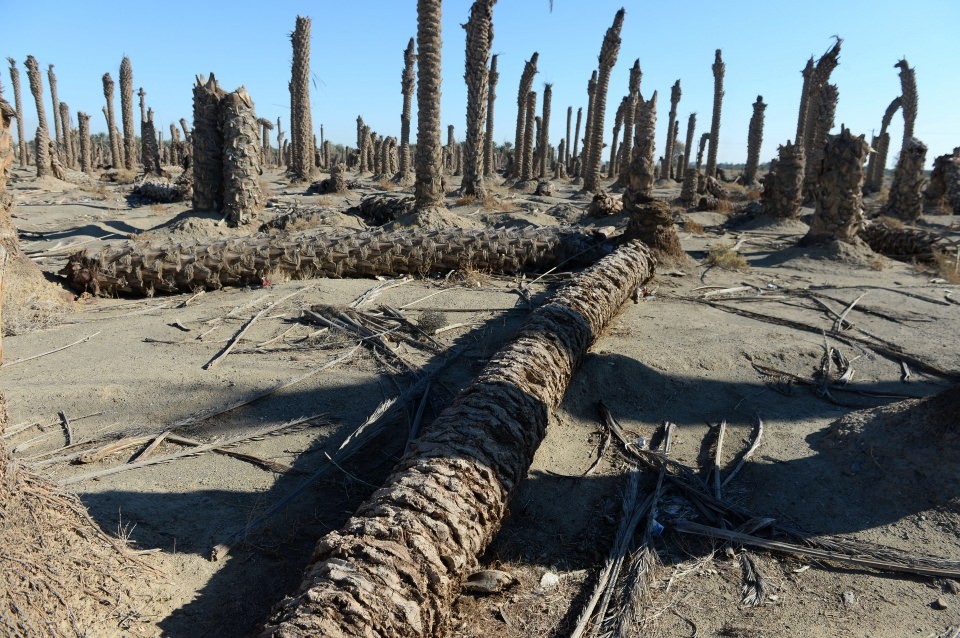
x=357 y=46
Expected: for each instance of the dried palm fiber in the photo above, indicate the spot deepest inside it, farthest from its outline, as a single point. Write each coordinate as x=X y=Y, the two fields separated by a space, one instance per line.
x=143 y=269
x=488 y=146
x=151 y=152
x=65 y=134
x=526 y=85
x=783 y=183
x=839 y=211
x=576 y=142
x=688 y=191
x=85 y=159
x=754 y=141
x=301 y=123
x=24 y=155
x=428 y=185
x=608 y=58
x=43 y=136
x=242 y=196
x=651 y=221
x=813 y=136
x=207 y=145
x=163 y=191
x=666 y=171
x=943 y=191
x=719 y=69
x=906 y=191
x=588 y=124
x=116 y=158
x=336 y=183
x=57 y=121
x=890 y=238
x=380 y=209
x=617 y=125
x=126 y=109
x=604 y=204
x=878 y=161
x=545 y=132
x=479 y=29
x=564 y=158
x=395 y=567
x=528 y=136
x=629 y=122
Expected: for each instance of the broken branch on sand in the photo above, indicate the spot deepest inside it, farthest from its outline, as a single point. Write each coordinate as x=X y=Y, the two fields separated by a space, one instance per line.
x=43 y=354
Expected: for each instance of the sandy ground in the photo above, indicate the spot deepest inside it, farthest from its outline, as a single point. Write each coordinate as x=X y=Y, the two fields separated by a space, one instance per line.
x=669 y=357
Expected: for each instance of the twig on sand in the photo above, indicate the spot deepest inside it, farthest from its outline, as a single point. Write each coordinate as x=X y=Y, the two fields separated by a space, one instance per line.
x=838 y=324
x=374 y=292
x=717 y=482
x=746 y=455
x=236 y=339
x=43 y=354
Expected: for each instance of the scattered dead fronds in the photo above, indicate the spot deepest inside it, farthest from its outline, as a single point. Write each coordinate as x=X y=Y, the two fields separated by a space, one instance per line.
x=465 y=200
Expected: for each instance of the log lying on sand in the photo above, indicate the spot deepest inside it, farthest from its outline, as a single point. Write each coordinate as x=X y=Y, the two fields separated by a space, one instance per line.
x=396 y=566
x=143 y=269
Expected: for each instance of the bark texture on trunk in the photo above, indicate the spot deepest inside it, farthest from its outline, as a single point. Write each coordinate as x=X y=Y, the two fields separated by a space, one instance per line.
x=943 y=192
x=242 y=196
x=395 y=567
x=65 y=134
x=479 y=40
x=301 y=121
x=588 y=124
x=116 y=159
x=878 y=161
x=84 y=126
x=906 y=191
x=754 y=141
x=148 y=141
x=719 y=68
x=826 y=107
x=908 y=100
x=617 y=125
x=207 y=145
x=126 y=110
x=526 y=85
x=493 y=78
x=839 y=211
x=408 y=82
x=608 y=58
x=630 y=122
x=688 y=143
x=529 y=133
x=564 y=158
x=24 y=156
x=42 y=141
x=428 y=189
x=545 y=132
x=814 y=113
x=576 y=141
x=668 y=154
x=783 y=183
x=57 y=119
x=141 y=269
x=808 y=72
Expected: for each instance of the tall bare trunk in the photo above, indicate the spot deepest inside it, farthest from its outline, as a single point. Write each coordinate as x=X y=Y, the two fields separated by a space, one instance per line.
x=428 y=188
x=84 y=125
x=826 y=106
x=576 y=140
x=493 y=78
x=242 y=197
x=617 y=125
x=608 y=58
x=783 y=183
x=629 y=122
x=24 y=155
x=818 y=80
x=906 y=191
x=808 y=72
x=545 y=132
x=207 y=145
x=126 y=109
x=754 y=141
x=115 y=158
x=588 y=124
x=878 y=161
x=564 y=157
x=57 y=121
x=67 y=149
x=150 y=149
x=719 y=68
x=526 y=84
x=301 y=123
x=43 y=135
x=528 y=136
x=668 y=154
x=408 y=548
x=688 y=143
x=908 y=101
x=839 y=211
x=408 y=82
x=479 y=40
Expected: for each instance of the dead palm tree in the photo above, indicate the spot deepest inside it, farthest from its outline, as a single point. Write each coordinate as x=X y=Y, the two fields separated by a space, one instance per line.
x=24 y=155
x=839 y=211
x=493 y=78
x=150 y=151
x=608 y=58
x=242 y=197
x=826 y=105
x=719 y=68
x=301 y=127
x=564 y=158
x=908 y=101
x=617 y=125
x=67 y=148
x=265 y=152
x=629 y=121
x=783 y=183
x=588 y=124
x=207 y=145
x=526 y=84
x=479 y=29
x=126 y=109
x=754 y=140
x=428 y=188
x=688 y=144
x=576 y=141
x=808 y=72
x=86 y=164
x=878 y=160
x=528 y=136
x=906 y=191
x=541 y=171
x=57 y=126
x=667 y=171
x=115 y=157
x=408 y=82
x=42 y=142
x=814 y=113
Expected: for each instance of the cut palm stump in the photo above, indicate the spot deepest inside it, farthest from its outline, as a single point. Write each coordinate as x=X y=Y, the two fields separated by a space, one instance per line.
x=142 y=269
x=396 y=566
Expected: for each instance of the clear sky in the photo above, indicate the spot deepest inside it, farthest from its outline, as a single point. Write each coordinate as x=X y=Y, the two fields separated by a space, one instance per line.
x=357 y=47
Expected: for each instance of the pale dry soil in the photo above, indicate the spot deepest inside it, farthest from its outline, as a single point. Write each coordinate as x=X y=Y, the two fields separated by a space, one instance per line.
x=666 y=358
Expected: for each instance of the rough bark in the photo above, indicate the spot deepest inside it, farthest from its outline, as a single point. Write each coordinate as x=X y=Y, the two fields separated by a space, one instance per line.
x=24 y=155
x=617 y=125
x=265 y=151
x=126 y=110
x=408 y=82
x=689 y=189
x=576 y=143
x=839 y=210
x=826 y=106
x=451 y=144
x=688 y=144
x=395 y=568
x=588 y=124
x=668 y=154
x=479 y=39
x=84 y=126
x=57 y=120
x=428 y=188
x=564 y=158
x=526 y=85
x=242 y=197
x=629 y=122
x=608 y=58
x=943 y=191
x=754 y=141
x=148 y=141
x=43 y=135
x=908 y=101
x=143 y=269
x=544 y=137
x=818 y=81
x=808 y=72
x=906 y=191
x=704 y=138
x=878 y=161
x=783 y=183
x=207 y=145
x=115 y=158
x=65 y=134
x=529 y=133
x=493 y=77
x=719 y=68
x=301 y=122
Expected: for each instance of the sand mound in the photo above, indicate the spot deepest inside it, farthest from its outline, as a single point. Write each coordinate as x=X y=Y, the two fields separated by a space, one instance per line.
x=433 y=218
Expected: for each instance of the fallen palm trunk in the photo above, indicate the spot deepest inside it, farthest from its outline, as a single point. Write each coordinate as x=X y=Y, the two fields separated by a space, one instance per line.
x=395 y=567
x=143 y=269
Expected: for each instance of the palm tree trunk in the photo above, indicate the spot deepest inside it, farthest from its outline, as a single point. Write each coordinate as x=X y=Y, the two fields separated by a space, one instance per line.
x=115 y=157
x=719 y=68
x=528 y=136
x=839 y=211
x=301 y=126
x=906 y=191
x=150 y=152
x=667 y=171
x=57 y=126
x=826 y=105
x=479 y=40
x=428 y=188
x=488 y=144
x=408 y=82
x=207 y=145
x=588 y=125
x=754 y=140
x=408 y=548
x=85 y=160
x=65 y=134
x=808 y=73
x=818 y=80
x=629 y=122
x=126 y=108
x=617 y=124
x=688 y=144
x=545 y=131
x=576 y=142
x=878 y=160
x=526 y=85
x=242 y=197
x=564 y=158
x=24 y=155
x=783 y=183
x=908 y=101
x=43 y=135
x=608 y=58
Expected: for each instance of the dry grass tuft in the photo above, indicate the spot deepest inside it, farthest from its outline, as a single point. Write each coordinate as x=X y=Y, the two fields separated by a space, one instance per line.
x=725 y=206
x=120 y=176
x=466 y=200
x=387 y=185
x=754 y=195
x=431 y=320
x=493 y=202
x=726 y=257
x=99 y=191
x=693 y=227
x=266 y=189
x=31 y=304
x=878 y=264
x=948 y=265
